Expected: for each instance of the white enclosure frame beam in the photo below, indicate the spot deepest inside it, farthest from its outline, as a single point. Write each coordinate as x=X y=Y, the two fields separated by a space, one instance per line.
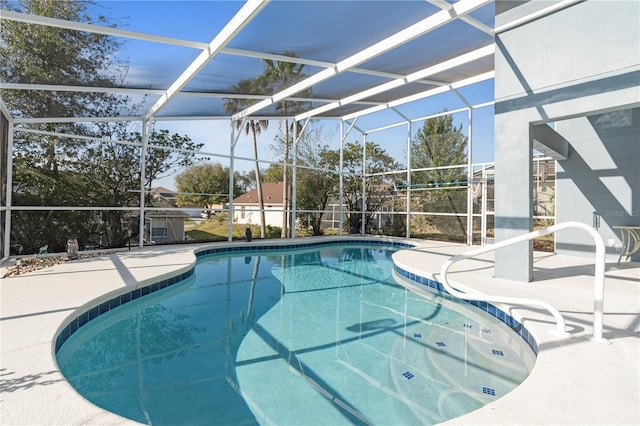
x=294 y=170
x=343 y=136
x=364 y=185
x=294 y=175
x=409 y=180
x=409 y=124
x=77 y=120
x=474 y=55
x=426 y=117
x=98 y=29
x=81 y=208
x=134 y=35
x=408 y=199
x=232 y=147
x=159 y=92
x=483 y=210
x=311 y=62
x=416 y=30
x=70 y=136
x=470 y=179
x=121 y=142
x=248 y=11
x=422 y=95
x=81 y=89
x=9 y=172
x=209 y=50
x=442 y=4
x=146 y=134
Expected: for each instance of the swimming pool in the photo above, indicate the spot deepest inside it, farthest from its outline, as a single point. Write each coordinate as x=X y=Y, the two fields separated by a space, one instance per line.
x=321 y=335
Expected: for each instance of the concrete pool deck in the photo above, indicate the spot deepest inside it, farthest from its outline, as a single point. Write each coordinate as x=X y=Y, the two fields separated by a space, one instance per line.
x=574 y=381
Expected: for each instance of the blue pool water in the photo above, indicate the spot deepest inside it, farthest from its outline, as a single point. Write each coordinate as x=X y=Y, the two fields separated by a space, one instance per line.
x=302 y=337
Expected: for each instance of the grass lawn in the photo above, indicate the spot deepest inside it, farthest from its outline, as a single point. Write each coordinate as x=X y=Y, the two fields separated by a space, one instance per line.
x=213 y=230
x=216 y=230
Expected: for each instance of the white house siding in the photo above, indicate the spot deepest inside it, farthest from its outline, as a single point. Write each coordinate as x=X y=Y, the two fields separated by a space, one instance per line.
x=251 y=216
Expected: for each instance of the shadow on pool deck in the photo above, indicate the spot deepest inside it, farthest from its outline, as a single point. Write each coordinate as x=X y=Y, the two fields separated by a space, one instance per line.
x=574 y=381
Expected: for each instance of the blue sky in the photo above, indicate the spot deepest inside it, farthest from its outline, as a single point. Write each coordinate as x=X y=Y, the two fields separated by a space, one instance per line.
x=201 y=21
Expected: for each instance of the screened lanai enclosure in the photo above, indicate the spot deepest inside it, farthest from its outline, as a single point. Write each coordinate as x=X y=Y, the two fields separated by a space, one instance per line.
x=86 y=143
x=120 y=119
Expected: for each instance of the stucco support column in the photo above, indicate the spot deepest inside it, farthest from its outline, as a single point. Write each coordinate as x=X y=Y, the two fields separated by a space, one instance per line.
x=513 y=203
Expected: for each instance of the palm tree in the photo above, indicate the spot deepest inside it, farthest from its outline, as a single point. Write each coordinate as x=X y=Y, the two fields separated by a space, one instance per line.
x=255 y=127
x=279 y=75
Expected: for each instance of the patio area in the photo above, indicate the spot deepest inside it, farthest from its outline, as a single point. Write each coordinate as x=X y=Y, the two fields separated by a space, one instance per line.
x=574 y=381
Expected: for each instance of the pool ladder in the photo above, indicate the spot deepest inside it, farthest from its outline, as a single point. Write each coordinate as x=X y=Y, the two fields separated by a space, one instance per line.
x=560 y=323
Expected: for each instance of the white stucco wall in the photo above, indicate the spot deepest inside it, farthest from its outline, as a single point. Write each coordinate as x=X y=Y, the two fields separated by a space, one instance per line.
x=272 y=215
x=601 y=175
x=581 y=60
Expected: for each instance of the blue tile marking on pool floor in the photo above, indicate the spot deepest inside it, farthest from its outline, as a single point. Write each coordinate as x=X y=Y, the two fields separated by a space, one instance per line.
x=485 y=306
x=489 y=391
x=417 y=335
x=408 y=375
x=105 y=307
x=441 y=344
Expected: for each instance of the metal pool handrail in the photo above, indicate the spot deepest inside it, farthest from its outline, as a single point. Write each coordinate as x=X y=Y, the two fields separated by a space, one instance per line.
x=599 y=278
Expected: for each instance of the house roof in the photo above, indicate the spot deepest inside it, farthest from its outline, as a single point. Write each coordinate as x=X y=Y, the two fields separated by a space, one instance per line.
x=165 y=192
x=271 y=193
x=165 y=213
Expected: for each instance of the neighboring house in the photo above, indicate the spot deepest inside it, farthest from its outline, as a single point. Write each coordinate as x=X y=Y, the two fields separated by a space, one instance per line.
x=247 y=210
x=164 y=226
x=163 y=197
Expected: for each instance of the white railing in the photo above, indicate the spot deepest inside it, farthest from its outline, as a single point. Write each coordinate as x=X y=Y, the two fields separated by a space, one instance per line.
x=599 y=278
